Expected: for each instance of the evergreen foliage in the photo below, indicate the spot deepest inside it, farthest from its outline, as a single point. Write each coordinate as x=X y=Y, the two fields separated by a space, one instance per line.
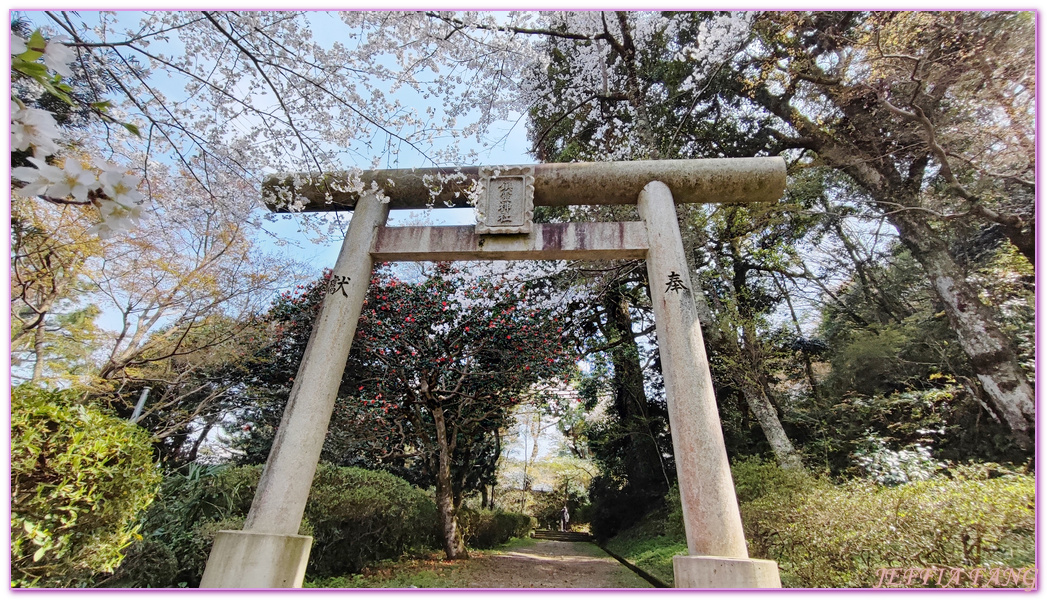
x=79 y=479
x=356 y=517
x=485 y=528
x=827 y=535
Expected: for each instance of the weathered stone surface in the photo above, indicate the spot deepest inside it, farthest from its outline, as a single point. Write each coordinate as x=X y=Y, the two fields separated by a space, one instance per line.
x=242 y=559
x=722 y=180
x=711 y=519
x=553 y=241
x=279 y=503
x=719 y=572
x=507 y=203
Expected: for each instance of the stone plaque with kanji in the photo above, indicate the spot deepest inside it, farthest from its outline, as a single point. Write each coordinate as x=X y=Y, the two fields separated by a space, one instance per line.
x=507 y=203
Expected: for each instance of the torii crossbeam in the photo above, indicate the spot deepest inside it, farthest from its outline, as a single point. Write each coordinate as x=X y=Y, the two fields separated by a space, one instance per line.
x=268 y=553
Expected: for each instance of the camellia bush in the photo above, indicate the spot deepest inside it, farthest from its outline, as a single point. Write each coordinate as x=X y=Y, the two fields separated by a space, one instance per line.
x=79 y=479
x=438 y=364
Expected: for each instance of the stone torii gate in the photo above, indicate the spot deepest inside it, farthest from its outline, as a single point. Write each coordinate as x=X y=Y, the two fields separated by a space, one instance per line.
x=268 y=553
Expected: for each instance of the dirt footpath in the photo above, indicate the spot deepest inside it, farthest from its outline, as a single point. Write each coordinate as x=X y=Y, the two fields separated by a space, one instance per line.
x=524 y=564
x=549 y=564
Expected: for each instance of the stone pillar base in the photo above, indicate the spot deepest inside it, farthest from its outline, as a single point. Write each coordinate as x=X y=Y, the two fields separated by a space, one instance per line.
x=723 y=572
x=241 y=559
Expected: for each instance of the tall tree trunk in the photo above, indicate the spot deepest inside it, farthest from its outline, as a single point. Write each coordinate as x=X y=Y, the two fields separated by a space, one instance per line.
x=644 y=463
x=992 y=356
x=536 y=432
x=494 y=478
x=748 y=376
x=454 y=545
x=195 y=450
x=767 y=417
x=805 y=356
x=39 y=343
x=751 y=367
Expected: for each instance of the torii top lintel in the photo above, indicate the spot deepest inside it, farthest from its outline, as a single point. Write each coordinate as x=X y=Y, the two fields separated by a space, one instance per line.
x=721 y=180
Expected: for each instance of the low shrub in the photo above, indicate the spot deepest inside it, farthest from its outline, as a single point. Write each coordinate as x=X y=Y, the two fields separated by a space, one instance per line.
x=838 y=535
x=361 y=516
x=355 y=517
x=79 y=479
x=183 y=519
x=149 y=563
x=830 y=535
x=489 y=528
x=755 y=478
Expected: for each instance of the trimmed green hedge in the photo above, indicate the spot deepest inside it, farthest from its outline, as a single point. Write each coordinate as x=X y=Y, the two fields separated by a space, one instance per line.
x=490 y=528
x=361 y=516
x=79 y=479
x=355 y=516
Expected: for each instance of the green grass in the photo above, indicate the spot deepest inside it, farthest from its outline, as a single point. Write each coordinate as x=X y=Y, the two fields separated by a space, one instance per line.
x=645 y=546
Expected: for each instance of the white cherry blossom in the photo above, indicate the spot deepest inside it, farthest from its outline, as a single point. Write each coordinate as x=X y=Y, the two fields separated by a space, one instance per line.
x=117 y=217
x=18 y=45
x=76 y=182
x=37 y=179
x=34 y=128
x=57 y=55
x=121 y=187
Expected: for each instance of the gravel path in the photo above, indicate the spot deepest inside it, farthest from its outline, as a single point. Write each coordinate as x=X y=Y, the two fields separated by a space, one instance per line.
x=530 y=564
x=550 y=564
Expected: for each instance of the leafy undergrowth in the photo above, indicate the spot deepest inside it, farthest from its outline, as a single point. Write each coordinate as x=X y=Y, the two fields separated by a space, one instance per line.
x=825 y=534
x=648 y=547
x=842 y=535
x=421 y=571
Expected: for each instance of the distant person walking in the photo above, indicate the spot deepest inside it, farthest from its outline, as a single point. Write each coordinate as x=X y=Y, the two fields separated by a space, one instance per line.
x=565 y=518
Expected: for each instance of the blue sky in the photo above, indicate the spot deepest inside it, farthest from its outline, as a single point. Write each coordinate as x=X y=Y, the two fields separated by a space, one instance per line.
x=507 y=146
x=512 y=151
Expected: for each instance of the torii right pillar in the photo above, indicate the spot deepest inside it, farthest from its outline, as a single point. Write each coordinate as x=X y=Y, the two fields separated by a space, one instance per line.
x=717 y=555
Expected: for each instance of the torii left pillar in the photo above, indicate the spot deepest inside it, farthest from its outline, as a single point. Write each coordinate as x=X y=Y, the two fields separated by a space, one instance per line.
x=268 y=552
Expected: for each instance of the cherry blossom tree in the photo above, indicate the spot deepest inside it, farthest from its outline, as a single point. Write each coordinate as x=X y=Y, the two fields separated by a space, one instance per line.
x=252 y=92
